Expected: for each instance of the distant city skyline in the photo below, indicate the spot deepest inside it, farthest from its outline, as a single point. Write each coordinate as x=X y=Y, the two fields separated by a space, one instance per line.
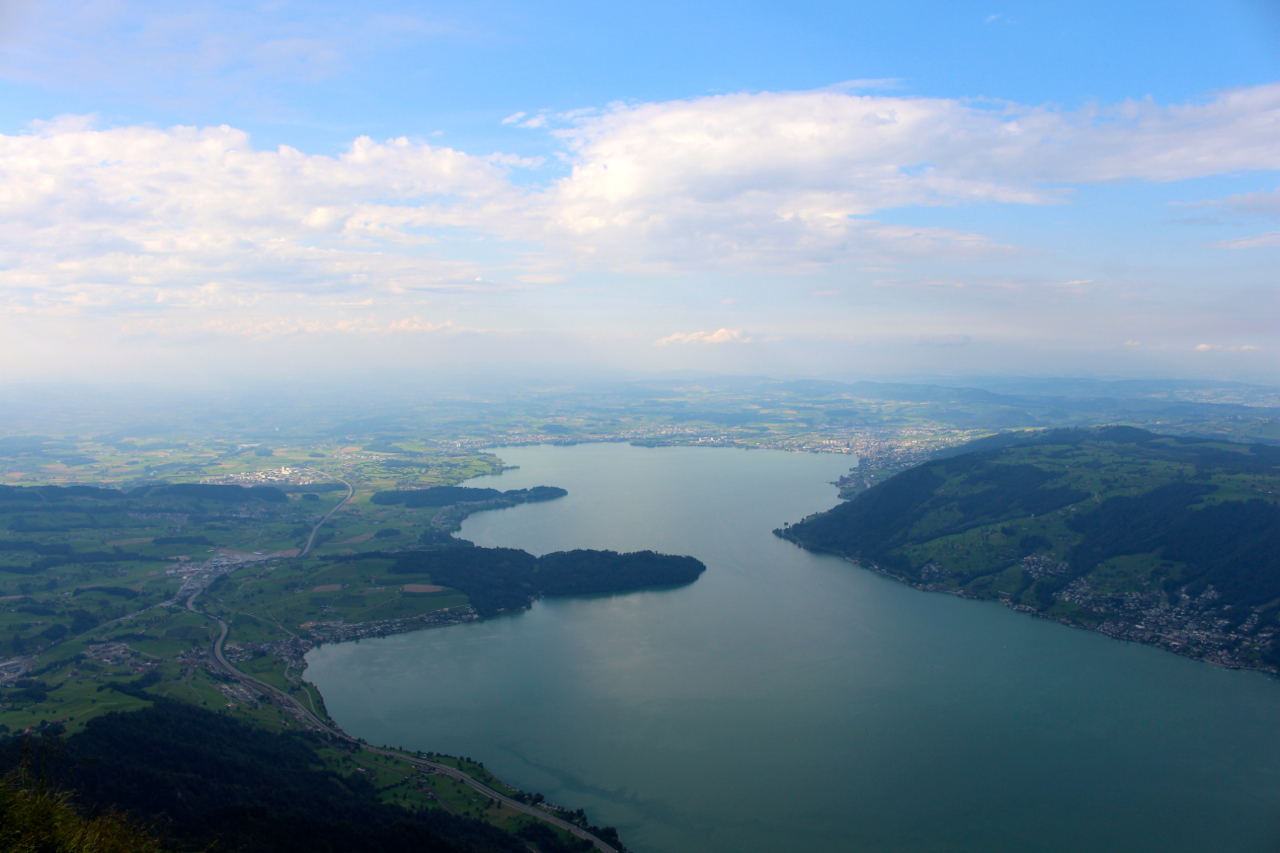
x=277 y=189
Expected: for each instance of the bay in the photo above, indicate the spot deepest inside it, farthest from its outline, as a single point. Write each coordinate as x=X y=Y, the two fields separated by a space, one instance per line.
x=791 y=701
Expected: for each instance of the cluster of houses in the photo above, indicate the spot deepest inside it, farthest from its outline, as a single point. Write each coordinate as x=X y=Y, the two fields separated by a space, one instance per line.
x=338 y=632
x=284 y=475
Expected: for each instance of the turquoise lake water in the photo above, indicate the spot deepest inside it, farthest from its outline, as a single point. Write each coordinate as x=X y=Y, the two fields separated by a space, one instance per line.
x=794 y=702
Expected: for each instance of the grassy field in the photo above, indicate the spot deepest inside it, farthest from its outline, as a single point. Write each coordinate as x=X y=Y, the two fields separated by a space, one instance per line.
x=88 y=583
x=85 y=570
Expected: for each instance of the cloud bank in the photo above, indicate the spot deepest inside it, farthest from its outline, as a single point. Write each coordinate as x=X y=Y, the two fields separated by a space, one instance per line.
x=719 y=336
x=781 y=179
x=135 y=218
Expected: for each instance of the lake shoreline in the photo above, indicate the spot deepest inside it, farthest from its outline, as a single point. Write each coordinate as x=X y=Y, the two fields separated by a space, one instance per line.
x=785 y=701
x=1114 y=630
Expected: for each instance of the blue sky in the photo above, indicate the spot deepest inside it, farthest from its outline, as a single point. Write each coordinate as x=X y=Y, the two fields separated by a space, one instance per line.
x=1048 y=188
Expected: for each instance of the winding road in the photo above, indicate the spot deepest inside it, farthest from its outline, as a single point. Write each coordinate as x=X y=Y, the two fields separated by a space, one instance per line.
x=312 y=719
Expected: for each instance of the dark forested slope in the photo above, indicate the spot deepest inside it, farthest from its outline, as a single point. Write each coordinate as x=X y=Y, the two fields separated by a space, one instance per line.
x=209 y=781
x=1173 y=541
x=498 y=579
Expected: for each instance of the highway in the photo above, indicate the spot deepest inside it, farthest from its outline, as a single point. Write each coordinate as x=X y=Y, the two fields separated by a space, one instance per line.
x=311 y=540
x=479 y=786
x=444 y=769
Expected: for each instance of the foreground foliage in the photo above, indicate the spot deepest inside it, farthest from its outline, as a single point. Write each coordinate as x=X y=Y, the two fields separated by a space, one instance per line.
x=208 y=779
x=36 y=817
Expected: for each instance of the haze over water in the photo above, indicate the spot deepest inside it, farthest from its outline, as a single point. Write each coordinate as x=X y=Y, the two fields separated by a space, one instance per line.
x=788 y=701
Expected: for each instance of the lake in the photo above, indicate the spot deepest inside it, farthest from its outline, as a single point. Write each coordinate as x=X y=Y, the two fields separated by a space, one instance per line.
x=788 y=701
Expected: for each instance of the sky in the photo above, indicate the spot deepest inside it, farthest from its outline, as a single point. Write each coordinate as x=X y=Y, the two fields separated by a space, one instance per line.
x=281 y=189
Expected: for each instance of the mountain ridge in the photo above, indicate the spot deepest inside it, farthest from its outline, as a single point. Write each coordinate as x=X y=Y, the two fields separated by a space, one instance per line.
x=1172 y=541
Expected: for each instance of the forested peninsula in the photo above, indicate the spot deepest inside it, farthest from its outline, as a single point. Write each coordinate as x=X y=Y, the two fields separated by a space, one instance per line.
x=457 y=502
x=500 y=579
x=1171 y=541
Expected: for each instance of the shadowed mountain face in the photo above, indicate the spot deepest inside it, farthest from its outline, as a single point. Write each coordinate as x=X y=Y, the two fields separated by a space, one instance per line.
x=208 y=781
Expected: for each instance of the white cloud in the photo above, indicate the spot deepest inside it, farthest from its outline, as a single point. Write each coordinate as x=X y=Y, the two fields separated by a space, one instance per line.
x=197 y=217
x=195 y=52
x=192 y=216
x=719 y=336
x=1215 y=347
x=782 y=178
x=1269 y=240
x=1244 y=204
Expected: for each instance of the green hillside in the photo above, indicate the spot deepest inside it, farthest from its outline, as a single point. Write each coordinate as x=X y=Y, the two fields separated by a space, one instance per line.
x=162 y=631
x=1166 y=540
